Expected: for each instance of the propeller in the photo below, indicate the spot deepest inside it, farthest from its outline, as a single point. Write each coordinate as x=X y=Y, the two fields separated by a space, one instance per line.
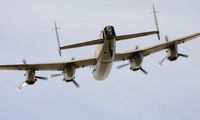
x=73 y=81
x=166 y=38
x=179 y=55
x=24 y=62
x=41 y=78
x=56 y=75
x=162 y=61
x=124 y=65
x=144 y=71
x=183 y=55
x=26 y=82
x=61 y=74
x=38 y=77
x=21 y=86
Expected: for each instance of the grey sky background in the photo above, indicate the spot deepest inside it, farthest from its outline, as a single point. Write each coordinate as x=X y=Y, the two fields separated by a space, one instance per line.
x=170 y=92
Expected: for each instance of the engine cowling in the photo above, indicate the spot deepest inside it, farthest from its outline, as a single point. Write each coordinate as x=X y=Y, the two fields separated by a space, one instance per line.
x=69 y=72
x=172 y=53
x=136 y=61
x=30 y=77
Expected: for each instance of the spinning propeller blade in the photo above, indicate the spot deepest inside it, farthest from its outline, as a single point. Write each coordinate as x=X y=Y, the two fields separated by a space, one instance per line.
x=162 y=61
x=144 y=71
x=124 y=65
x=41 y=78
x=21 y=86
x=166 y=38
x=183 y=55
x=24 y=61
x=75 y=83
x=56 y=75
x=121 y=66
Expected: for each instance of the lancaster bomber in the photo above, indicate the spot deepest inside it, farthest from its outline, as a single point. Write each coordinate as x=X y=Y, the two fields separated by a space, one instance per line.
x=105 y=55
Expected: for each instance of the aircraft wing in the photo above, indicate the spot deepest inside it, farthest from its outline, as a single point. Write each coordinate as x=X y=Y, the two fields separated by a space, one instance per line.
x=51 y=66
x=156 y=48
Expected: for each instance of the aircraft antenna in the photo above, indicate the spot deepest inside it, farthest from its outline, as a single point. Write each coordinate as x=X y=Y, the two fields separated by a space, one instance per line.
x=156 y=21
x=57 y=37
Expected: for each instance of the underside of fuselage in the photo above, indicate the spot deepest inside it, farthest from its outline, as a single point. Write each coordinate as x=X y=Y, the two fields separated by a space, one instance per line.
x=106 y=55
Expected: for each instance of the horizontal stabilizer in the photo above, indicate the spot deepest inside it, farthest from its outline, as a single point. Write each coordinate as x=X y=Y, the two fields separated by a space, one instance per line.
x=135 y=35
x=92 y=42
x=100 y=41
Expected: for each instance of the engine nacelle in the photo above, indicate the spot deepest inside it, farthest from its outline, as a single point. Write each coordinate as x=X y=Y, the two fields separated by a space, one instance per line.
x=136 y=61
x=172 y=53
x=69 y=72
x=30 y=77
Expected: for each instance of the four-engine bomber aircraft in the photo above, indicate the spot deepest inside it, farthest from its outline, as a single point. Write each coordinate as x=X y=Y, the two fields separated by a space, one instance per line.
x=105 y=56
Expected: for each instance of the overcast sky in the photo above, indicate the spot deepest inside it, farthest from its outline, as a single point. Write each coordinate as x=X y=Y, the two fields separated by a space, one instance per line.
x=170 y=92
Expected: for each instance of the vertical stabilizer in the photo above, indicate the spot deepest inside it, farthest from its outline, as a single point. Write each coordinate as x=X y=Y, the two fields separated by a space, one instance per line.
x=156 y=21
x=57 y=37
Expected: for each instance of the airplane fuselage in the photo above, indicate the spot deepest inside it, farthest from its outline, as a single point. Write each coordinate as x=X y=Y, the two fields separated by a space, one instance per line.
x=106 y=54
